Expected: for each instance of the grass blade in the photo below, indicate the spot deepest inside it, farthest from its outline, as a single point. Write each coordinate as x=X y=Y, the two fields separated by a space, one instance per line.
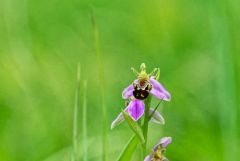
x=75 y=117
x=102 y=87
x=226 y=87
x=129 y=149
x=85 y=143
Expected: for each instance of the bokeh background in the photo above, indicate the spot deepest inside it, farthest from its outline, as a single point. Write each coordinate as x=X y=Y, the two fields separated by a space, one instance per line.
x=195 y=43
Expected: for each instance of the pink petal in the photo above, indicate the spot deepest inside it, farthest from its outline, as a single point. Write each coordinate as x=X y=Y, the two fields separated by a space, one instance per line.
x=159 y=91
x=127 y=92
x=157 y=117
x=165 y=141
x=148 y=158
x=136 y=109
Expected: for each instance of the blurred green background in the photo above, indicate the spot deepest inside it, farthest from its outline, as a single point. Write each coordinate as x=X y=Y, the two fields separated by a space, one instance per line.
x=195 y=43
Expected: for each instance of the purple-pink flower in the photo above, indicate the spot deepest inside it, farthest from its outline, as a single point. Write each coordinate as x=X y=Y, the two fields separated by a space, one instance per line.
x=140 y=89
x=159 y=149
x=135 y=109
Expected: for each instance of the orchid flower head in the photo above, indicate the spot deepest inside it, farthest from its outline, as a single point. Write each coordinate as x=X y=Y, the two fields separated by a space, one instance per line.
x=145 y=85
x=159 y=149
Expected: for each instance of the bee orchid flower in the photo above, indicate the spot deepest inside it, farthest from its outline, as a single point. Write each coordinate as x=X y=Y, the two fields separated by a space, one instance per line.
x=144 y=85
x=140 y=89
x=158 y=151
x=138 y=103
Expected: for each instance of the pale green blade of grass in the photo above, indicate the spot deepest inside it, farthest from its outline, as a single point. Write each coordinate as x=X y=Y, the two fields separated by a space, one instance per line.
x=129 y=149
x=225 y=79
x=85 y=142
x=101 y=81
x=75 y=117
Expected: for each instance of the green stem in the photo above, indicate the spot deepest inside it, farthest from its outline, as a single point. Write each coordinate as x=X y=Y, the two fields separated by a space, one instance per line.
x=145 y=124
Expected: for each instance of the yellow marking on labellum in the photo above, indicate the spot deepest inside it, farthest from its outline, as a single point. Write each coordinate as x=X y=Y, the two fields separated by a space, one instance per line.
x=158 y=153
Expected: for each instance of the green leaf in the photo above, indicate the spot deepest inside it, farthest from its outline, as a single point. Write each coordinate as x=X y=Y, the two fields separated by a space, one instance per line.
x=134 y=126
x=129 y=149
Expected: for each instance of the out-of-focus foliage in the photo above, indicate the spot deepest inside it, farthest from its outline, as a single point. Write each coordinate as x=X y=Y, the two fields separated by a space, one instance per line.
x=195 y=43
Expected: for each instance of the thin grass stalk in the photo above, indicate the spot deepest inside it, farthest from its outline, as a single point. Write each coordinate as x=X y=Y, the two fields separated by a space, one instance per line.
x=85 y=142
x=75 y=117
x=101 y=80
x=226 y=86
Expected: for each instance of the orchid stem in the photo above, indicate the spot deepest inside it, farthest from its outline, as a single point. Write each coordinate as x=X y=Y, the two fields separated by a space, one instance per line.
x=145 y=124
